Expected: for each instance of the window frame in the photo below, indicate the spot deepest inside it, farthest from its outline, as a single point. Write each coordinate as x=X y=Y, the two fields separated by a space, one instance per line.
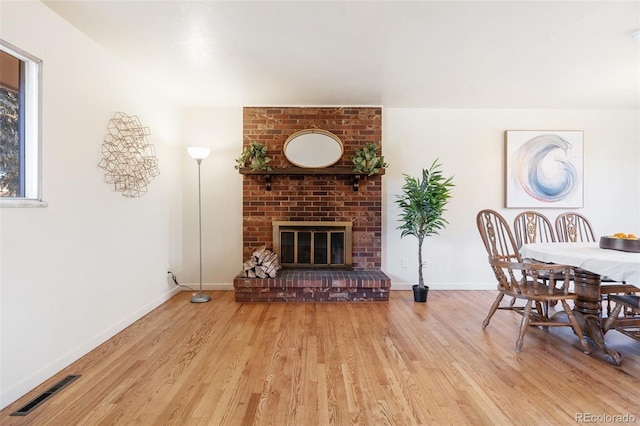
x=31 y=106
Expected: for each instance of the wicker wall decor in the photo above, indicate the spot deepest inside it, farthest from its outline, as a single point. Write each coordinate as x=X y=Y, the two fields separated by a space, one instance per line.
x=129 y=160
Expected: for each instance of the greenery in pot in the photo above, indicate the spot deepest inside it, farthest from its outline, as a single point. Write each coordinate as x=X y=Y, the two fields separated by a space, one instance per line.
x=256 y=155
x=422 y=204
x=367 y=161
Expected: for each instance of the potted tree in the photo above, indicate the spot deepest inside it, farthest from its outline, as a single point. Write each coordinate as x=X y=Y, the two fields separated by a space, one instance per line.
x=422 y=204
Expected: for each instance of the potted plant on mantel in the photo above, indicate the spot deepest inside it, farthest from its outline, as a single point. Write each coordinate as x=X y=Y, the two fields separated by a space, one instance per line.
x=422 y=205
x=256 y=155
x=366 y=160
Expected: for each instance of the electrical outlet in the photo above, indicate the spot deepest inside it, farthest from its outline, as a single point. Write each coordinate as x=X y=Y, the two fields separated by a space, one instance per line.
x=405 y=262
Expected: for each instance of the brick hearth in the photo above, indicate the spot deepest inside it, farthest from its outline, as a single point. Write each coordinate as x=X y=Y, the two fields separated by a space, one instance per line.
x=314 y=286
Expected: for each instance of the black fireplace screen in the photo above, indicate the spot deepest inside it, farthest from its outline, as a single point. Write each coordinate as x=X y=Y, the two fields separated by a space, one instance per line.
x=312 y=248
x=309 y=244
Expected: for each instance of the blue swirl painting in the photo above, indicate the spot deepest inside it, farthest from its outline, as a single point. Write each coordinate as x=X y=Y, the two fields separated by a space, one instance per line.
x=544 y=169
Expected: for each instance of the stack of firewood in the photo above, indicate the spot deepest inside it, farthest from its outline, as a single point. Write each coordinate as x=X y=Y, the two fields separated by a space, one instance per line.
x=263 y=263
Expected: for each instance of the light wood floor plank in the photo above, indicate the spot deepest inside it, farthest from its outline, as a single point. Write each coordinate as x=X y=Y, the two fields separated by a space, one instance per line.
x=395 y=363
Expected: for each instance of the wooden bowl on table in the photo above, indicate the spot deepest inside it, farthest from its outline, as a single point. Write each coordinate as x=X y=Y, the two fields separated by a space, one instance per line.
x=622 y=244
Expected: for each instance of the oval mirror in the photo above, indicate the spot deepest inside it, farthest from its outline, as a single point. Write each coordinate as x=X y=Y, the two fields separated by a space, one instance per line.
x=313 y=148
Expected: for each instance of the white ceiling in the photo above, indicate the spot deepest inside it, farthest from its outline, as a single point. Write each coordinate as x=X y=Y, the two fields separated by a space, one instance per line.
x=435 y=54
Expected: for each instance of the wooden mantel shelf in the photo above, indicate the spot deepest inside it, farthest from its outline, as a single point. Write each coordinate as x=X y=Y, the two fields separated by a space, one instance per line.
x=327 y=171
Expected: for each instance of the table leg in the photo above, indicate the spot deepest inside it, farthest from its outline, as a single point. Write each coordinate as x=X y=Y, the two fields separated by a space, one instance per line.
x=587 y=310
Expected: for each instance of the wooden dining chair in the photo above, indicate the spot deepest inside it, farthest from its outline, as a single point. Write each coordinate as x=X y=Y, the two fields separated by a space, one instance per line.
x=532 y=227
x=521 y=280
x=574 y=227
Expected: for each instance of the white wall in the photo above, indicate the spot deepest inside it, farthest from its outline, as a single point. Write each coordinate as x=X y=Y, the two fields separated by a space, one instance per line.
x=470 y=145
x=78 y=271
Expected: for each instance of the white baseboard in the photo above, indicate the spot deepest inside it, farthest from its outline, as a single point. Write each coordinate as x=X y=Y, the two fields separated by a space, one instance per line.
x=394 y=286
x=447 y=286
x=208 y=286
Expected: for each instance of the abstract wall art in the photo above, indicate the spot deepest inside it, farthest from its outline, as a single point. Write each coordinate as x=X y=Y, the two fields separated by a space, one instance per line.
x=544 y=169
x=129 y=160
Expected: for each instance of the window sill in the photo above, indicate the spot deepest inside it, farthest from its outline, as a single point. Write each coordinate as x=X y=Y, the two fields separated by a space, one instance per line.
x=22 y=203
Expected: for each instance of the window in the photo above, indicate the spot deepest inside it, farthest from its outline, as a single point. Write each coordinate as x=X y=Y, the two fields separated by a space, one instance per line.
x=20 y=156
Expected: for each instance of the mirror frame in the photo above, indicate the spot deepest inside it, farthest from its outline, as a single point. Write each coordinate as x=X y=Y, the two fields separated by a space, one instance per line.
x=312 y=131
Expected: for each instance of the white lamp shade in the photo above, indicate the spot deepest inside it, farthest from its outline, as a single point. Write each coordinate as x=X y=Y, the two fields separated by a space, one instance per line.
x=198 y=152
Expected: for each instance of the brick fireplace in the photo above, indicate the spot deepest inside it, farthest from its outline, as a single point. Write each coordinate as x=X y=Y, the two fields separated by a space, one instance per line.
x=309 y=198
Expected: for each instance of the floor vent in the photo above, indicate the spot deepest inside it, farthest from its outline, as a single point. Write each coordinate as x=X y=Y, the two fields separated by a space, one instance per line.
x=28 y=407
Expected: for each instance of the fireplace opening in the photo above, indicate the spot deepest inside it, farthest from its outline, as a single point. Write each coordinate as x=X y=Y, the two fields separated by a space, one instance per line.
x=313 y=244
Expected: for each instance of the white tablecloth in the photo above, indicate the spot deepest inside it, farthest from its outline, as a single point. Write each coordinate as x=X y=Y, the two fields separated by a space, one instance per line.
x=614 y=264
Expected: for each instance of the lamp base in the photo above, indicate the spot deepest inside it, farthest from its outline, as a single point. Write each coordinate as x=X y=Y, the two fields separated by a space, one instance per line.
x=200 y=298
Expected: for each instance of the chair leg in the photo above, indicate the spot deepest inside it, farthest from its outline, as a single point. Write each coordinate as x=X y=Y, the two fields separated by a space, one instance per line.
x=606 y=296
x=543 y=310
x=612 y=317
x=576 y=327
x=493 y=310
x=524 y=324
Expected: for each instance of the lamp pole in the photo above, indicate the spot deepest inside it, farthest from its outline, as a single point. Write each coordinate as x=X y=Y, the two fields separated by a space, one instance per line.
x=199 y=154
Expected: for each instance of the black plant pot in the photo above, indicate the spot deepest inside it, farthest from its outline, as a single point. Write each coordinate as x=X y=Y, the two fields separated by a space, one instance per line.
x=420 y=294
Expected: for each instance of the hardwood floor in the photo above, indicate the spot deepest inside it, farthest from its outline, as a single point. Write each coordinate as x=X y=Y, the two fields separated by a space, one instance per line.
x=381 y=363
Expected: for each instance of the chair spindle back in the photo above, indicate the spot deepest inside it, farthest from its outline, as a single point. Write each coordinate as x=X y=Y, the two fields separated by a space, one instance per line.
x=533 y=227
x=574 y=227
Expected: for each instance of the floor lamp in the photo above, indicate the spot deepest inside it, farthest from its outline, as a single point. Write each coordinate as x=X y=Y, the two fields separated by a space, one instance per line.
x=199 y=154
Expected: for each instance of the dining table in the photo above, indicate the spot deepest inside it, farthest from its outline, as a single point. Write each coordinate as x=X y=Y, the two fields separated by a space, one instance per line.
x=591 y=264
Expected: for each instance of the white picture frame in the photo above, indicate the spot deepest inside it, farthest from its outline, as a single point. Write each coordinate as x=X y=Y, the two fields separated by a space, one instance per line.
x=544 y=169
